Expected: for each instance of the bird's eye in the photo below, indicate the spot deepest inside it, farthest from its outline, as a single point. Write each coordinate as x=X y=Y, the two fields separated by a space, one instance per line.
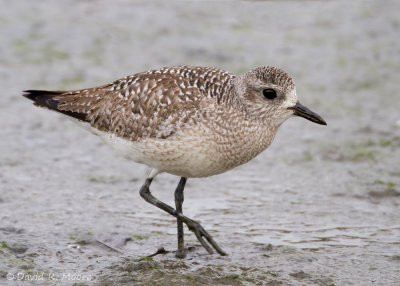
x=269 y=93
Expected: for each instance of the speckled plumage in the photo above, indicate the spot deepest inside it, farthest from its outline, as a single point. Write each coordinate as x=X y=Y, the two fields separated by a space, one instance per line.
x=187 y=121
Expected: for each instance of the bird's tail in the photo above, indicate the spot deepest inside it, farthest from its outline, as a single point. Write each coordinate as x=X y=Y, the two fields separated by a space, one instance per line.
x=48 y=99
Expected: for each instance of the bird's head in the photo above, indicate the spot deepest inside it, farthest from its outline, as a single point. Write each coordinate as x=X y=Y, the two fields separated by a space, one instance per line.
x=269 y=93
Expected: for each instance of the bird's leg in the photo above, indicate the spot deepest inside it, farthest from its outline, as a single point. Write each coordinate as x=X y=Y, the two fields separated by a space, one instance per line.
x=178 y=204
x=193 y=225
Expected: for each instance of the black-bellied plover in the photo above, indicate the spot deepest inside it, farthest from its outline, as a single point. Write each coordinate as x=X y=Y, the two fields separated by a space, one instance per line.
x=187 y=121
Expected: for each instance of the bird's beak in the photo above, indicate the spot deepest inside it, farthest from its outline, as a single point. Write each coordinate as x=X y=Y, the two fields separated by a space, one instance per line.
x=301 y=110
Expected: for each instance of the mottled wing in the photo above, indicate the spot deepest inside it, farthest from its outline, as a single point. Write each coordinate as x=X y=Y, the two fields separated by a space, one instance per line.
x=140 y=106
x=152 y=104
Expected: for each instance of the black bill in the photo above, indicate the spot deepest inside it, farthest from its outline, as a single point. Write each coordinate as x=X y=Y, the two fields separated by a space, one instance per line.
x=301 y=110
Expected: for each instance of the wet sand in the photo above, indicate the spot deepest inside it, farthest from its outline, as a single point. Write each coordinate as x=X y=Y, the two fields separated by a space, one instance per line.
x=319 y=207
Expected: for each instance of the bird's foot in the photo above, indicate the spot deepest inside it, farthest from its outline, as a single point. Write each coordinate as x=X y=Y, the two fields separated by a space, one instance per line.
x=180 y=254
x=201 y=233
x=186 y=250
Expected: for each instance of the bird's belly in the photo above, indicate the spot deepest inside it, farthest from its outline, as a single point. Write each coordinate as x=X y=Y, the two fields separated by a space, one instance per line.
x=192 y=154
x=186 y=157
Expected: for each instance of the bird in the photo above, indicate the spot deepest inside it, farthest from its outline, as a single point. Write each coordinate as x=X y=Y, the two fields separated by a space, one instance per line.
x=187 y=121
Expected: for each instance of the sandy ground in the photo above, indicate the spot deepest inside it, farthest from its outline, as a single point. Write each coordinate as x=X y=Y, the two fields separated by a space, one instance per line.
x=320 y=207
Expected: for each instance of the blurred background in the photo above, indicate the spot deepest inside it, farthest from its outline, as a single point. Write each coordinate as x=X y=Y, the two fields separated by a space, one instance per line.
x=319 y=207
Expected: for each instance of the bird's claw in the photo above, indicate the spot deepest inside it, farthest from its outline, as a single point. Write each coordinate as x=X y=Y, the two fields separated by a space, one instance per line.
x=201 y=233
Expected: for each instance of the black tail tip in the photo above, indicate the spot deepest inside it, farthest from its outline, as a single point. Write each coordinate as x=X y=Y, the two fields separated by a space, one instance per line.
x=33 y=94
x=42 y=98
x=30 y=94
x=45 y=98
